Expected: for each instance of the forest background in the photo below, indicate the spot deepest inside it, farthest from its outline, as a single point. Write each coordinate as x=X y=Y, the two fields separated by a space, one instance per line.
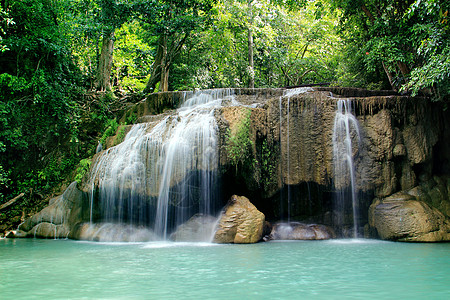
x=67 y=65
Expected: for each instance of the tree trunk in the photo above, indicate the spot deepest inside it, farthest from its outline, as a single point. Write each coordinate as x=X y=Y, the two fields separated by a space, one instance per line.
x=251 y=83
x=368 y=13
x=154 y=78
x=158 y=65
x=102 y=82
x=164 y=83
x=403 y=68
x=165 y=65
x=163 y=60
x=389 y=75
x=12 y=201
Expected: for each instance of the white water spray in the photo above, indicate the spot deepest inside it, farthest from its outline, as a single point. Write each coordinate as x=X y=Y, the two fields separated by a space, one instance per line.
x=346 y=140
x=164 y=171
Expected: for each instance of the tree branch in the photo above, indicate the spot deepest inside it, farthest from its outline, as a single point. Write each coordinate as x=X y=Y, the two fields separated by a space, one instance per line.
x=368 y=13
x=12 y=201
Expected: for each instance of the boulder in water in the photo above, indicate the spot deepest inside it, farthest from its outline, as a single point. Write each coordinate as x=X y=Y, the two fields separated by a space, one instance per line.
x=240 y=223
x=300 y=231
x=199 y=228
x=110 y=232
x=401 y=217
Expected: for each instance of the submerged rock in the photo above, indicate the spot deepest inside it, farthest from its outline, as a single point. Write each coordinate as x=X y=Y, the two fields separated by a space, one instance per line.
x=199 y=228
x=300 y=231
x=401 y=217
x=109 y=232
x=241 y=222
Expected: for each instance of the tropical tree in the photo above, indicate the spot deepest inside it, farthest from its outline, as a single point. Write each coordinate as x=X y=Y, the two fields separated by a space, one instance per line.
x=407 y=39
x=172 y=22
x=432 y=71
x=290 y=47
x=113 y=14
x=133 y=57
x=39 y=84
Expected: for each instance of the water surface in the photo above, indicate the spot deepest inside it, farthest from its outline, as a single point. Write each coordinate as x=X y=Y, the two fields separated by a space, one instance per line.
x=335 y=269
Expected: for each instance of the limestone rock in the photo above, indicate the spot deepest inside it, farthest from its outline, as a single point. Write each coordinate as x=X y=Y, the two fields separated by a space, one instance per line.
x=241 y=222
x=419 y=140
x=49 y=230
x=408 y=178
x=387 y=180
x=199 y=228
x=402 y=218
x=433 y=192
x=16 y=234
x=380 y=132
x=57 y=219
x=299 y=231
x=323 y=232
x=399 y=150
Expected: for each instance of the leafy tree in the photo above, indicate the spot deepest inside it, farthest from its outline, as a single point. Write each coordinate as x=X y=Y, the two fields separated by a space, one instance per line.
x=172 y=22
x=39 y=86
x=433 y=48
x=113 y=15
x=133 y=57
x=290 y=47
x=407 y=39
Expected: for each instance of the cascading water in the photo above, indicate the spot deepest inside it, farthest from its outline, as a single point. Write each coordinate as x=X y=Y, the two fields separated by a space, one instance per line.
x=346 y=143
x=163 y=172
x=287 y=95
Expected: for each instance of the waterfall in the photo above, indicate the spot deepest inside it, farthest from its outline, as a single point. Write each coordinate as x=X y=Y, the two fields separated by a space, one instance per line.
x=287 y=95
x=164 y=171
x=346 y=142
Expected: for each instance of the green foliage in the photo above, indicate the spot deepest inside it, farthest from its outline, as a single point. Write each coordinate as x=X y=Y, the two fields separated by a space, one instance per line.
x=5 y=21
x=169 y=25
x=131 y=119
x=53 y=172
x=39 y=88
x=407 y=41
x=435 y=73
x=269 y=157
x=132 y=57
x=171 y=17
x=111 y=129
x=432 y=41
x=121 y=134
x=82 y=169
x=82 y=28
x=239 y=145
x=291 y=46
x=113 y=13
x=4 y=182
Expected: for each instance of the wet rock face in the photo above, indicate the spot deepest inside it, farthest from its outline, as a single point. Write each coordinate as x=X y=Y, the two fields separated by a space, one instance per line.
x=397 y=133
x=299 y=231
x=399 y=140
x=241 y=222
x=290 y=140
x=401 y=217
x=303 y=125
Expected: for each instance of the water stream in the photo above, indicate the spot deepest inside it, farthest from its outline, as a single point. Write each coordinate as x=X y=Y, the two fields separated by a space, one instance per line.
x=346 y=143
x=164 y=171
